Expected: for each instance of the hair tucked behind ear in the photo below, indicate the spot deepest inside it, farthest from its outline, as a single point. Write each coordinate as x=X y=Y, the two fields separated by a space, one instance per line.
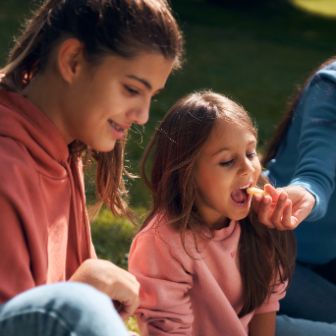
x=266 y=256
x=105 y=27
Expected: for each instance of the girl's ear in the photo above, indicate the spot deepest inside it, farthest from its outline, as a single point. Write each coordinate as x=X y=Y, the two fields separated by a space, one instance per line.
x=70 y=59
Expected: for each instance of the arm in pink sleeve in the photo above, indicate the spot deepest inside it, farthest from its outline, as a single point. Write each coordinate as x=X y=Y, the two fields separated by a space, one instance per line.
x=164 y=271
x=272 y=302
x=16 y=216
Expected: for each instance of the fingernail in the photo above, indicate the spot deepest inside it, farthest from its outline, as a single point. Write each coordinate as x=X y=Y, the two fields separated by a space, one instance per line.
x=266 y=200
x=282 y=197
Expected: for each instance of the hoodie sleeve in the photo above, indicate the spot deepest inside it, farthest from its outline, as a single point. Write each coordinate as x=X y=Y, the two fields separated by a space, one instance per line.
x=165 y=307
x=20 y=232
x=271 y=304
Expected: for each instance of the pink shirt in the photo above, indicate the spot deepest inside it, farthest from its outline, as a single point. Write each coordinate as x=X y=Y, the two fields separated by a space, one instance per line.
x=200 y=294
x=44 y=229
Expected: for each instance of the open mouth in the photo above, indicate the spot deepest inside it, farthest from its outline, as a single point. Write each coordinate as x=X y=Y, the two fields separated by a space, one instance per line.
x=119 y=131
x=240 y=195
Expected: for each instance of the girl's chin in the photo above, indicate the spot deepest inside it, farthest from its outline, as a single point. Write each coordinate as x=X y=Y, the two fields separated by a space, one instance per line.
x=104 y=148
x=240 y=216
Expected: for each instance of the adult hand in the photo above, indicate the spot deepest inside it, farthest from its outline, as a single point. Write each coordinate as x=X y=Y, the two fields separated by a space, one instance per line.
x=303 y=202
x=120 y=285
x=283 y=208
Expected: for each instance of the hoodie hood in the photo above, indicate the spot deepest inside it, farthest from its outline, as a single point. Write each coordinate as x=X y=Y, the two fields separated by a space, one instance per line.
x=25 y=123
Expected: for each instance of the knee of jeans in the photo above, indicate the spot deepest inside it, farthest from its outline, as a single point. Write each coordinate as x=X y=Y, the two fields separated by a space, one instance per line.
x=75 y=295
x=62 y=297
x=86 y=306
x=77 y=306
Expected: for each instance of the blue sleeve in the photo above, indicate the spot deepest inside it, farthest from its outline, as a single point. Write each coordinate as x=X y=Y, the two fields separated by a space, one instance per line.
x=316 y=164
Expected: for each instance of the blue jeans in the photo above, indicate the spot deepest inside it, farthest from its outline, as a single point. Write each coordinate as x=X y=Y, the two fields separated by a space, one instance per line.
x=310 y=296
x=287 y=326
x=62 y=309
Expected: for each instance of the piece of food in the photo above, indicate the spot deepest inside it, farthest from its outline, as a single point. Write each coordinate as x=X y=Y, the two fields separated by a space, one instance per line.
x=255 y=191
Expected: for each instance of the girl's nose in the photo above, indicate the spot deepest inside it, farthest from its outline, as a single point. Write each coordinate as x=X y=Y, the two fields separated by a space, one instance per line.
x=247 y=167
x=141 y=114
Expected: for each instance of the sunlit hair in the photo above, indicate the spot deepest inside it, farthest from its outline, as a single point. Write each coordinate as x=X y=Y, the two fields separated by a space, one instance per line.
x=266 y=256
x=124 y=28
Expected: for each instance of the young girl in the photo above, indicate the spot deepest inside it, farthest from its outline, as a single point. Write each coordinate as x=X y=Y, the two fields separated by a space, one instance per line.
x=79 y=76
x=205 y=265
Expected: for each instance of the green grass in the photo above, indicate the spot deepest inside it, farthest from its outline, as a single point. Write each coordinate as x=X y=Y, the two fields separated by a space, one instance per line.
x=112 y=241
x=12 y=16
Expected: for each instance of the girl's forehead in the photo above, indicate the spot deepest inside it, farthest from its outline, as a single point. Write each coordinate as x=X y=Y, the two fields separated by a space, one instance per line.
x=225 y=125
x=228 y=134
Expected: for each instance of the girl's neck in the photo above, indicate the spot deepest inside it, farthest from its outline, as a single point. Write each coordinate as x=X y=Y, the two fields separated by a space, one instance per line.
x=220 y=224
x=43 y=93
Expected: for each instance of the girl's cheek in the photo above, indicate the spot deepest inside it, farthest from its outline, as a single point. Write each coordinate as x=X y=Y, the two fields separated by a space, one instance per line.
x=258 y=171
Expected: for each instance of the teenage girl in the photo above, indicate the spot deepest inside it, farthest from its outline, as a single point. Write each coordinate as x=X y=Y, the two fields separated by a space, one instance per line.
x=205 y=264
x=81 y=73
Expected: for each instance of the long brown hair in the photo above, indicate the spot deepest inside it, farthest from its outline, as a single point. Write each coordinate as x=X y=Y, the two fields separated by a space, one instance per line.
x=265 y=255
x=120 y=27
x=283 y=126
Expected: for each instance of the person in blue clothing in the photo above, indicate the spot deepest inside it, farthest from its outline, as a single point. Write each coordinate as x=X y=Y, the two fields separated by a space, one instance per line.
x=301 y=158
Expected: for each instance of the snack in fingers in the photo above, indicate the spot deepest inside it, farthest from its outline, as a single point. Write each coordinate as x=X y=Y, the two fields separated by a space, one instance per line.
x=255 y=191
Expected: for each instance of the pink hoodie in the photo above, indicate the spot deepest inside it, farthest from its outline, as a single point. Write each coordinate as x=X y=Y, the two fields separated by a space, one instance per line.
x=199 y=294
x=44 y=230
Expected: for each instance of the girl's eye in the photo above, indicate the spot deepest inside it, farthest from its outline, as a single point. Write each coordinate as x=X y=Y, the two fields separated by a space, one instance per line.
x=131 y=91
x=226 y=163
x=251 y=155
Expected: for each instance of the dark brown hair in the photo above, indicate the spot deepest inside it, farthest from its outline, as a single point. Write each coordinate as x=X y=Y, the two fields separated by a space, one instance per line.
x=120 y=27
x=283 y=126
x=266 y=256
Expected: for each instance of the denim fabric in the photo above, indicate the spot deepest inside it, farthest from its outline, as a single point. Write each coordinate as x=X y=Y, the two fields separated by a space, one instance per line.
x=310 y=296
x=61 y=309
x=287 y=326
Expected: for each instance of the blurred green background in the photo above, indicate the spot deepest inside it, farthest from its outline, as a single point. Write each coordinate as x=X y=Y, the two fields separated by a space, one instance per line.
x=255 y=51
